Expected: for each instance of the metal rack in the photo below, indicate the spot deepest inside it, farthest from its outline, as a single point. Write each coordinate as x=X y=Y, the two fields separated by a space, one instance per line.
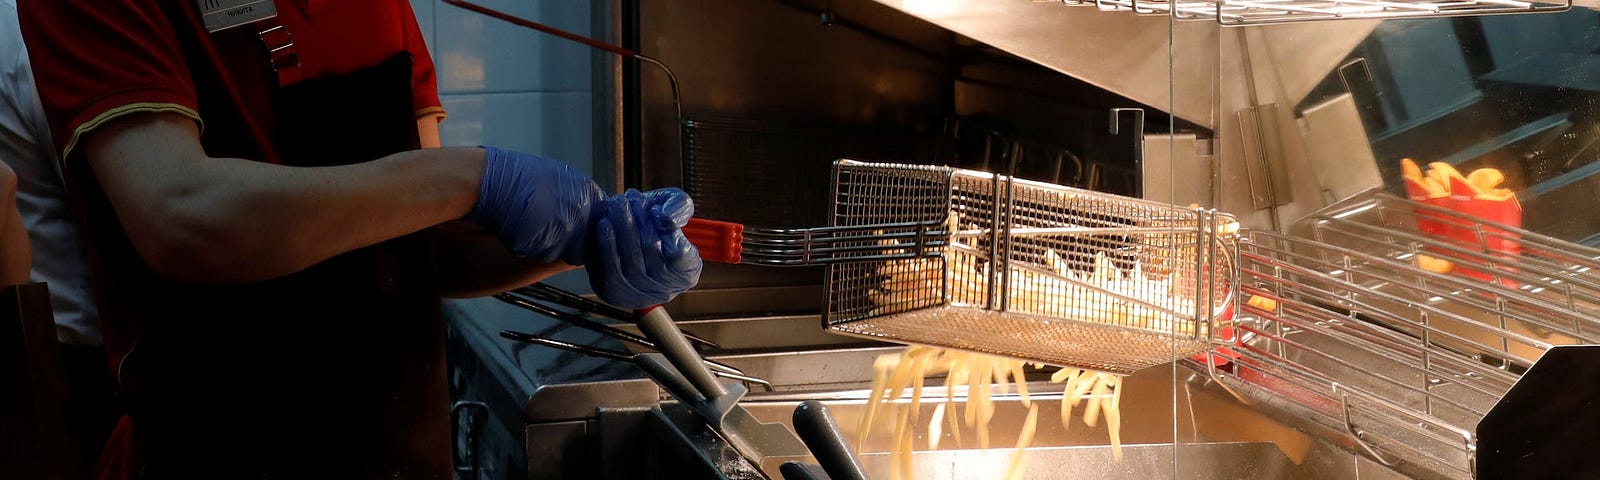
x=1256 y=12
x=1491 y=259
x=1375 y=366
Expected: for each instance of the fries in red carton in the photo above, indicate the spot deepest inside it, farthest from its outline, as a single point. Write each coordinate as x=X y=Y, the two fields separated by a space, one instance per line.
x=1477 y=195
x=1425 y=190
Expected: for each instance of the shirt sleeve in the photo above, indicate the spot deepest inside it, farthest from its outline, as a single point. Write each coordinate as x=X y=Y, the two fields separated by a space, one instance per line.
x=424 y=83
x=96 y=60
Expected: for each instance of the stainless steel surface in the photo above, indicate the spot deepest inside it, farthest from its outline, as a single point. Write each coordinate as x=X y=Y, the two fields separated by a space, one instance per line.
x=1174 y=172
x=1269 y=184
x=1340 y=153
x=1145 y=58
x=1250 y=12
x=1034 y=271
x=1211 y=436
x=1221 y=439
x=554 y=403
x=1124 y=54
x=565 y=436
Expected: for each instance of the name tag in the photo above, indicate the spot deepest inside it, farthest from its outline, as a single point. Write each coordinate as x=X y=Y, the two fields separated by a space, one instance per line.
x=224 y=14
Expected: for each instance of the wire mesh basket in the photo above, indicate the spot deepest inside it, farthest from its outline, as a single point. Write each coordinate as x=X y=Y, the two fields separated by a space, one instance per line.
x=1031 y=270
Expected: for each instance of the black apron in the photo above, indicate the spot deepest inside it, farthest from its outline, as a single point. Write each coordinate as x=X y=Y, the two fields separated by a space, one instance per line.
x=336 y=371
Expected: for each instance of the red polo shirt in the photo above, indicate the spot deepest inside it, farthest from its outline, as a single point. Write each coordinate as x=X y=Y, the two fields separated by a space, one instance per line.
x=95 y=60
x=98 y=59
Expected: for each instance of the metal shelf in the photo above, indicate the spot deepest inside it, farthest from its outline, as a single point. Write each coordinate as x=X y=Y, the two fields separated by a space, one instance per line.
x=1258 y=12
x=1404 y=381
x=1503 y=258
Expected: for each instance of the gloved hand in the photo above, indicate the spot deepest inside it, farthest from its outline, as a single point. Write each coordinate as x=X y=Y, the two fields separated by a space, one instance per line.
x=539 y=208
x=640 y=257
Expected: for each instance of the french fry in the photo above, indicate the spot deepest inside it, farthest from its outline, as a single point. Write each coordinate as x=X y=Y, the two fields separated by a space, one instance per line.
x=920 y=367
x=1486 y=179
x=975 y=374
x=1435 y=265
x=896 y=375
x=985 y=405
x=1435 y=187
x=1409 y=169
x=883 y=367
x=1018 y=464
x=1113 y=414
x=1017 y=375
x=1443 y=171
x=903 y=442
x=897 y=465
x=1263 y=303
x=1068 y=400
x=1001 y=372
x=1497 y=195
x=1091 y=412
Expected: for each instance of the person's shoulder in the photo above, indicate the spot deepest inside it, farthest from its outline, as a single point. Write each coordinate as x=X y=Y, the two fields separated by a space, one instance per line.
x=13 y=56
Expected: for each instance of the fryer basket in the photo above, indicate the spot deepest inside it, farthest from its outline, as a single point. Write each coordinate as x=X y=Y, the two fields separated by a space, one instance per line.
x=1042 y=272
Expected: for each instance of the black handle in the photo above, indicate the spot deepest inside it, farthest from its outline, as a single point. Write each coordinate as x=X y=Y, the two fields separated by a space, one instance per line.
x=816 y=427
x=801 y=471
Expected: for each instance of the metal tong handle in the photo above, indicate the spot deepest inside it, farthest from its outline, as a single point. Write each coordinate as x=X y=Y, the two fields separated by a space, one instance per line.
x=541 y=291
x=719 y=368
x=657 y=325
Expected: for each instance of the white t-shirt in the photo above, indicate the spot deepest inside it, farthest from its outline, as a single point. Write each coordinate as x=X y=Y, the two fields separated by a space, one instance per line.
x=58 y=251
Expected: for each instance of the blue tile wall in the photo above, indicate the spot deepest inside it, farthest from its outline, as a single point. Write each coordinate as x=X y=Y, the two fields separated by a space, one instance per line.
x=511 y=87
x=553 y=124
x=476 y=53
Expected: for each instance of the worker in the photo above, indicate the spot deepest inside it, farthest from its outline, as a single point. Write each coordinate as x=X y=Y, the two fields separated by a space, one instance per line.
x=58 y=257
x=261 y=225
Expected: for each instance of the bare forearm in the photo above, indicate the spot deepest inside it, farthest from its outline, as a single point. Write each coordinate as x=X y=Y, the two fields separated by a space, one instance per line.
x=219 y=219
x=473 y=264
x=15 y=253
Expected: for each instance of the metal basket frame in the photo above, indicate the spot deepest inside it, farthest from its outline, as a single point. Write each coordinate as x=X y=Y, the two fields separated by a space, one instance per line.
x=991 y=286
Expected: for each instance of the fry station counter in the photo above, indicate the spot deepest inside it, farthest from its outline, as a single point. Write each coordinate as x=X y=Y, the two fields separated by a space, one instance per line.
x=1218 y=239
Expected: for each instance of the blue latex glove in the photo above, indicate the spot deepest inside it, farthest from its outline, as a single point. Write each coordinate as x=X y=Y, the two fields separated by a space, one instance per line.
x=539 y=208
x=640 y=257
